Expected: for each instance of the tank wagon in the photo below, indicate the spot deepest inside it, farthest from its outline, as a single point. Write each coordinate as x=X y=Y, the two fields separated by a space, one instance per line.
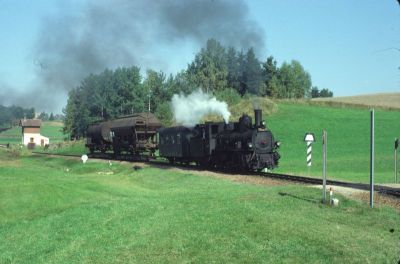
x=133 y=134
x=240 y=145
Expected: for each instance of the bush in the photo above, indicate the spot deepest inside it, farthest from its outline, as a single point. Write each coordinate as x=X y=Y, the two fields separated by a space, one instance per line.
x=164 y=113
x=230 y=96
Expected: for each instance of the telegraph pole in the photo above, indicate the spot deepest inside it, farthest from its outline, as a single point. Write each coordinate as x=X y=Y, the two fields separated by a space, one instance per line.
x=396 y=146
x=372 y=156
x=324 y=152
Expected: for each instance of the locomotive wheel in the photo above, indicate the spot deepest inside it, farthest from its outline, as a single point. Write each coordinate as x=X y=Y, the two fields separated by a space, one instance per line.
x=171 y=161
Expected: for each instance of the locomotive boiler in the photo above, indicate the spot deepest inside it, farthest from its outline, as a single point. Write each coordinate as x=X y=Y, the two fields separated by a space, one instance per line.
x=241 y=145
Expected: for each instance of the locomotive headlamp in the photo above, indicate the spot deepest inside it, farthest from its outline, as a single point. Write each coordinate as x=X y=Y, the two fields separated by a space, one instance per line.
x=249 y=145
x=263 y=123
x=277 y=144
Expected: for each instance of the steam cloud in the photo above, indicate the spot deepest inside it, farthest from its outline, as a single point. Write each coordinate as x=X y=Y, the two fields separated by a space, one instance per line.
x=188 y=110
x=104 y=34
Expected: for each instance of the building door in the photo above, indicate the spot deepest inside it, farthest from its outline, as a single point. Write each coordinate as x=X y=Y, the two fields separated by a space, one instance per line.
x=42 y=142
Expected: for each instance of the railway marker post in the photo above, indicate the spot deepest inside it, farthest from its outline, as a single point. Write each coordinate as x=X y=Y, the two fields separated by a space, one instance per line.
x=309 y=138
x=396 y=146
x=324 y=153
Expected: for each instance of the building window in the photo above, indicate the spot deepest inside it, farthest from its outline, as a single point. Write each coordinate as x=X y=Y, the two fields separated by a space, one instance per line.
x=31 y=140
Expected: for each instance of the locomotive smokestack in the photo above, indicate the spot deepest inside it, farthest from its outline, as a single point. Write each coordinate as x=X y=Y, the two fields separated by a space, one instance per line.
x=258 y=117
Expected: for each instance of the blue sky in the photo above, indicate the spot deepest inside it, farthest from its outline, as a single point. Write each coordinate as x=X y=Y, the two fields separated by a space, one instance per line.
x=344 y=45
x=337 y=41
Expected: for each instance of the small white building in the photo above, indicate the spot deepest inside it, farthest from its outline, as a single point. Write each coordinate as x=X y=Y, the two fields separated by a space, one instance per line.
x=31 y=133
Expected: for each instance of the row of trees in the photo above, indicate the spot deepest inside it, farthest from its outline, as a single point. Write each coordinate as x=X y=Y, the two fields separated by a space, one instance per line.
x=315 y=92
x=12 y=114
x=224 y=72
x=50 y=117
x=216 y=68
x=115 y=93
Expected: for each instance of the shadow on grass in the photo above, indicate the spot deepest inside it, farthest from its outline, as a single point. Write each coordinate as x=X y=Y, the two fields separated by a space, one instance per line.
x=299 y=197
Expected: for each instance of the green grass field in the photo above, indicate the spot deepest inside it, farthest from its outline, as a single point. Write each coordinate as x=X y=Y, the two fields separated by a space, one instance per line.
x=348 y=140
x=12 y=136
x=50 y=129
x=58 y=210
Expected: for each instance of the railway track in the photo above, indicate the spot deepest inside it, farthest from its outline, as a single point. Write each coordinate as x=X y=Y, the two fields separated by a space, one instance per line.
x=395 y=192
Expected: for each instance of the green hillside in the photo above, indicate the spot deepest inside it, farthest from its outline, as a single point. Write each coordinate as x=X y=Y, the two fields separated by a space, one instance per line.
x=12 y=136
x=348 y=140
x=50 y=129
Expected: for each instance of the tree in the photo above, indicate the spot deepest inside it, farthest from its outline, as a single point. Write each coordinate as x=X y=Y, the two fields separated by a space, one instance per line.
x=296 y=82
x=9 y=115
x=253 y=74
x=154 y=86
x=325 y=93
x=209 y=68
x=164 y=113
x=271 y=73
x=107 y=95
x=233 y=78
x=43 y=116
x=314 y=92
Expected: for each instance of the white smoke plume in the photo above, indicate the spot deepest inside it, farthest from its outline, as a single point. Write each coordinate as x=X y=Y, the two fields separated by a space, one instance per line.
x=188 y=110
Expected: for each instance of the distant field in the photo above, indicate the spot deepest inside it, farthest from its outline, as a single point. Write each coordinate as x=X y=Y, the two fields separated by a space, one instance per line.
x=386 y=100
x=348 y=140
x=50 y=129
x=58 y=210
x=12 y=136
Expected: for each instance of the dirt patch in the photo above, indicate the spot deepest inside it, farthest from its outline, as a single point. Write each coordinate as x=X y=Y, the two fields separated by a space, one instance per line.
x=10 y=163
x=379 y=199
x=361 y=195
x=239 y=178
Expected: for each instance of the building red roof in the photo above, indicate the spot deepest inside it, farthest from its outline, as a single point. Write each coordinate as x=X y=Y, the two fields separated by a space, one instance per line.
x=30 y=122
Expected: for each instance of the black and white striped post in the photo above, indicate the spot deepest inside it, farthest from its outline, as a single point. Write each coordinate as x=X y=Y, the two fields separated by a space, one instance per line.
x=309 y=153
x=309 y=138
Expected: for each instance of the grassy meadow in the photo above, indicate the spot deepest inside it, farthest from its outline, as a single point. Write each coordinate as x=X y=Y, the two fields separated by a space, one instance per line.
x=50 y=129
x=58 y=210
x=348 y=140
x=383 y=100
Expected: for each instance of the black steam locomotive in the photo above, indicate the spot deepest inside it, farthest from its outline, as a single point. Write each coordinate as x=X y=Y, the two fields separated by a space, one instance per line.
x=135 y=134
x=239 y=146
